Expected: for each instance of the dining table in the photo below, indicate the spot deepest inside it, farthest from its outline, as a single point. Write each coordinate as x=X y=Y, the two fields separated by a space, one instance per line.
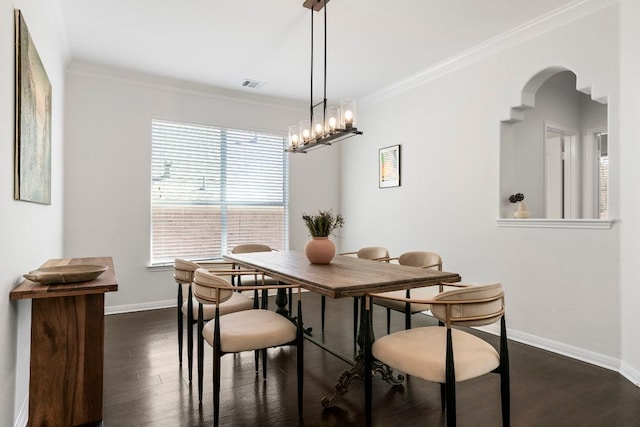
x=343 y=277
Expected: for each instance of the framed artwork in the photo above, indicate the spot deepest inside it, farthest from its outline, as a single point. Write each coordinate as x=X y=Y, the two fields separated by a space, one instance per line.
x=389 y=164
x=32 y=163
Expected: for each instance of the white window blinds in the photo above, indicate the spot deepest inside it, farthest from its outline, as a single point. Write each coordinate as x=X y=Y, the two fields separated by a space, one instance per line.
x=215 y=188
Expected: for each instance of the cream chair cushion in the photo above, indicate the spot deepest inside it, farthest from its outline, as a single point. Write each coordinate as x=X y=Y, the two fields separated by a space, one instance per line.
x=237 y=302
x=421 y=352
x=251 y=330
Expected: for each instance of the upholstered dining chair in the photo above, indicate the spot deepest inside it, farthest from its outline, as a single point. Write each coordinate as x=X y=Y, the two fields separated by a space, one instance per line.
x=256 y=329
x=419 y=259
x=374 y=253
x=252 y=281
x=183 y=275
x=443 y=354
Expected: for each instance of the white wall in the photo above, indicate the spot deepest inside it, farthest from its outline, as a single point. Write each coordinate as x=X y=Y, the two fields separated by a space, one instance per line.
x=562 y=285
x=30 y=233
x=107 y=158
x=630 y=185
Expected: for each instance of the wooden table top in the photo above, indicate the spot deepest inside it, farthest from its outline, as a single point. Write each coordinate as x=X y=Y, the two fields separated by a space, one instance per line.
x=106 y=282
x=344 y=277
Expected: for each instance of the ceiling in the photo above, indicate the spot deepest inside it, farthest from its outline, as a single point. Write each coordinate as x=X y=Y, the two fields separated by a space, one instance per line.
x=371 y=43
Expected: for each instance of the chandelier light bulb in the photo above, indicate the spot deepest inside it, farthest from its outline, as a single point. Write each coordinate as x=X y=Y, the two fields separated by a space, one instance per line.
x=348 y=116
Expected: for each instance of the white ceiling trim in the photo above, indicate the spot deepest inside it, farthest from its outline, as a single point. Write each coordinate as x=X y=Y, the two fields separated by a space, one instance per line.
x=155 y=82
x=554 y=19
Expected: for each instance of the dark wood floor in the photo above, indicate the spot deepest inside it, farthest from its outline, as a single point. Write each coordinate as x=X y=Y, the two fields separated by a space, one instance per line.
x=145 y=385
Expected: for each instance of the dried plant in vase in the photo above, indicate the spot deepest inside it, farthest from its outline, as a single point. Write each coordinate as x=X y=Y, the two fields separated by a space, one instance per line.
x=323 y=224
x=521 y=208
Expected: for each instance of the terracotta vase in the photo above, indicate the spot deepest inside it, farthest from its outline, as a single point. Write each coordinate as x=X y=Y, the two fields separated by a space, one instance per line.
x=320 y=250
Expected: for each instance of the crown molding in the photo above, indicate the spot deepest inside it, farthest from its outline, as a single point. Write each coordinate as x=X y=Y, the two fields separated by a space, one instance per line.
x=156 y=82
x=556 y=18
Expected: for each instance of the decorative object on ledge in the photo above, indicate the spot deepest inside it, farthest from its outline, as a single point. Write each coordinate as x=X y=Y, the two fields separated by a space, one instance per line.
x=321 y=250
x=389 y=166
x=326 y=125
x=521 y=208
x=32 y=163
x=66 y=274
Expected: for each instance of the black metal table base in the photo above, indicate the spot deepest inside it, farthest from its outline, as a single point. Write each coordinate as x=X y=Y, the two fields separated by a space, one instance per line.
x=357 y=371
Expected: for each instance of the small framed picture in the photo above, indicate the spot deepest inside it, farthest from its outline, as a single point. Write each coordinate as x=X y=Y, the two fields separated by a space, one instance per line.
x=389 y=164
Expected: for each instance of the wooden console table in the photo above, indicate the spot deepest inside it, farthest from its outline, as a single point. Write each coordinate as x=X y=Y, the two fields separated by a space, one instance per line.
x=67 y=346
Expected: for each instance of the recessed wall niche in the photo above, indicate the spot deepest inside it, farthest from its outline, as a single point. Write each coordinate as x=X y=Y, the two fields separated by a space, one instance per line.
x=554 y=150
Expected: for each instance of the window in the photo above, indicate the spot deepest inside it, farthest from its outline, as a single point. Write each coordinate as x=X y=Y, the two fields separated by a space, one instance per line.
x=603 y=175
x=214 y=188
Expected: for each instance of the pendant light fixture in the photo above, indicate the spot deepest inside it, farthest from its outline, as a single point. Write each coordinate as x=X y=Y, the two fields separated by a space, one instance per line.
x=325 y=125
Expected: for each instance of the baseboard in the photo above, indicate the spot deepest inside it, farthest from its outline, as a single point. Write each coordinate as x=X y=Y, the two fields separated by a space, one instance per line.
x=581 y=354
x=630 y=373
x=23 y=415
x=144 y=306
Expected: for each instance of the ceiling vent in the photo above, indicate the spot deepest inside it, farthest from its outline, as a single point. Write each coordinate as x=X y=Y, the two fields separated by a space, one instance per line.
x=253 y=84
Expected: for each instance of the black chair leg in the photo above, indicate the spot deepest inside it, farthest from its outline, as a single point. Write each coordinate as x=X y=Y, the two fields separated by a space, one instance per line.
x=505 y=387
x=450 y=379
x=388 y=321
x=264 y=364
x=368 y=386
x=217 y=354
x=200 y=351
x=506 y=399
x=300 y=357
x=407 y=316
x=190 y=323
x=180 y=324
x=355 y=325
x=323 y=303
x=256 y=305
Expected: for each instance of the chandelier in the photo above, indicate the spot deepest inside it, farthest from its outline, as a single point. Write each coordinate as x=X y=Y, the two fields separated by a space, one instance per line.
x=325 y=125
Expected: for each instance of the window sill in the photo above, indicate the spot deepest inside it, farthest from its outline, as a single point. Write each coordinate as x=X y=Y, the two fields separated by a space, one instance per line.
x=600 y=224
x=160 y=267
x=168 y=266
